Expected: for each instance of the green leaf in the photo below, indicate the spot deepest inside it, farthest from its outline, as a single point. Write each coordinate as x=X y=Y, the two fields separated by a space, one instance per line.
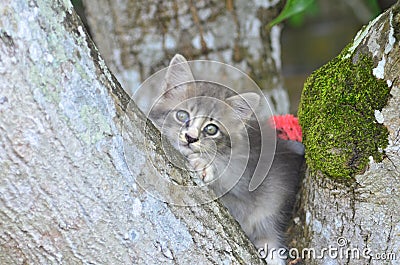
x=291 y=8
x=374 y=7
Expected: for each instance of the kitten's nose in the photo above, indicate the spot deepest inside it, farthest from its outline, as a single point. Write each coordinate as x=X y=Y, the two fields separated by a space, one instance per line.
x=190 y=139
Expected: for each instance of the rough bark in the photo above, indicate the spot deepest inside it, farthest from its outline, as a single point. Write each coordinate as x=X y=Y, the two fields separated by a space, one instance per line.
x=362 y=211
x=137 y=38
x=66 y=193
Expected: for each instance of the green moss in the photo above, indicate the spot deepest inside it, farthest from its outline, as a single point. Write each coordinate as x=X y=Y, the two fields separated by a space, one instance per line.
x=336 y=113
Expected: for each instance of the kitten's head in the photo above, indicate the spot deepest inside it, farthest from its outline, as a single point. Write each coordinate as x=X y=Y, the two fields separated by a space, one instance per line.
x=202 y=117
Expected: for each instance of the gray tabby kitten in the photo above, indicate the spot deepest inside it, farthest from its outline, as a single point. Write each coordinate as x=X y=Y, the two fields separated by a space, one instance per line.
x=216 y=130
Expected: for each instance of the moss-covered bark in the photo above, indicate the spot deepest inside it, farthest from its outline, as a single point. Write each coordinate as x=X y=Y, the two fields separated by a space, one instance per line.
x=337 y=115
x=350 y=116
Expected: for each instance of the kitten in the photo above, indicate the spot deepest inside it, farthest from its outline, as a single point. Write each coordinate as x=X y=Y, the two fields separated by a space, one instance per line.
x=218 y=133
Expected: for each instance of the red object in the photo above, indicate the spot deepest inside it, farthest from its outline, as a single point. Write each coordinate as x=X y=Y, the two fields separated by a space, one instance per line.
x=288 y=127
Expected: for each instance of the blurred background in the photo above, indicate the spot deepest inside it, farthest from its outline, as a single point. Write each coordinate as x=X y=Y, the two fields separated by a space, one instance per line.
x=313 y=37
x=318 y=35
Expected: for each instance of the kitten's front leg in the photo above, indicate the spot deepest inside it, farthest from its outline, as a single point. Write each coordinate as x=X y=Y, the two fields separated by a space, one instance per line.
x=199 y=164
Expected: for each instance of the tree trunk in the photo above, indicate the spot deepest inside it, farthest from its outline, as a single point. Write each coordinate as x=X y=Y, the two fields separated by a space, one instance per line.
x=66 y=192
x=351 y=127
x=138 y=38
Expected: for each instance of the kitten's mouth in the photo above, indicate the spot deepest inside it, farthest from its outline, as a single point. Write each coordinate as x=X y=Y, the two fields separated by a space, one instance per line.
x=185 y=148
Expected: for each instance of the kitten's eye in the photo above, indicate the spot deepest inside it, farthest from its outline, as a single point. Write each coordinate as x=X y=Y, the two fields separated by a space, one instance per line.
x=182 y=116
x=211 y=129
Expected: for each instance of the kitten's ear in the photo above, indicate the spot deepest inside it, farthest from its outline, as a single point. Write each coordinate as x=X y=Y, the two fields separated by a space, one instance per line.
x=244 y=104
x=178 y=72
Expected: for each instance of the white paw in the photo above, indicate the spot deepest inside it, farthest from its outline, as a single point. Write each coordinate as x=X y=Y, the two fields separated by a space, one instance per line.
x=202 y=167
